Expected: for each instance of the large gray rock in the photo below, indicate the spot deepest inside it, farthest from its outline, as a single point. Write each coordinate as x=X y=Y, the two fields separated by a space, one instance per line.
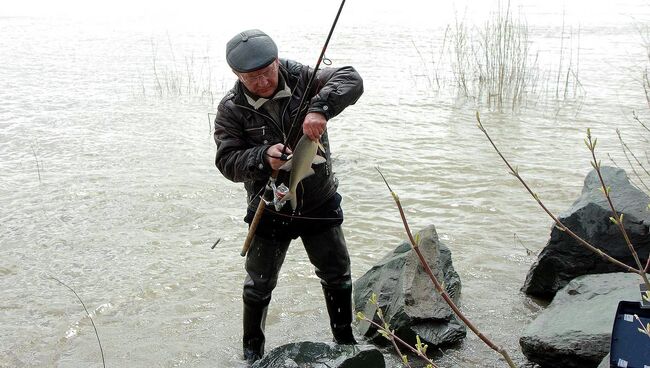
x=564 y=259
x=575 y=329
x=309 y=354
x=407 y=297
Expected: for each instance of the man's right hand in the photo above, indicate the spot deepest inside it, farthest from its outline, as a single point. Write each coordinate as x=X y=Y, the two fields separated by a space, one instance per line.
x=273 y=155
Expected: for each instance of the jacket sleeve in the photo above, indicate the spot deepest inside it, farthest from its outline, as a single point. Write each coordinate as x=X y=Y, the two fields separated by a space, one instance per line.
x=237 y=160
x=337 y=88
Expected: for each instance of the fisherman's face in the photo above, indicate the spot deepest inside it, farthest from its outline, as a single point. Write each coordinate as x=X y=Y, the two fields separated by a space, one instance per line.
x=262 y=82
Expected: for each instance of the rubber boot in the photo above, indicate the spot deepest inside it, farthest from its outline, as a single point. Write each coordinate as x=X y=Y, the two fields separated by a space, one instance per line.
x=253 y=341
x=339 y=308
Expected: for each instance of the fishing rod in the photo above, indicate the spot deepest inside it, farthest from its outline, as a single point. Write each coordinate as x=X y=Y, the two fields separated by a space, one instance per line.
x=262 y=205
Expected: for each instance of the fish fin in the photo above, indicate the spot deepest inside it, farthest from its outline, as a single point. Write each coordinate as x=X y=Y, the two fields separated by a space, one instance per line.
x=287 y=165
x=309 y=173
x=294 y=202
x=320 y=145
x=318 y=159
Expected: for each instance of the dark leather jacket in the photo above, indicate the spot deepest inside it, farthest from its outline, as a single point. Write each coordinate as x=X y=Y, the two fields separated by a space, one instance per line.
x=243 y=134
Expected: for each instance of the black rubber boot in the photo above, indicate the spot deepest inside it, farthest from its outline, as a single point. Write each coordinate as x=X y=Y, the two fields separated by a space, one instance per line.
x=253 y=341
x=339 y=307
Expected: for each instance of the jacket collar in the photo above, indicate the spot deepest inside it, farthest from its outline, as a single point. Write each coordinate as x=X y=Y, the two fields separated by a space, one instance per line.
x=289 y=75
x=282 y=91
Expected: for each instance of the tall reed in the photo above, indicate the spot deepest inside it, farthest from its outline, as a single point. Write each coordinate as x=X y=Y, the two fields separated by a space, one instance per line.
x=495 y=65
x=190 y=78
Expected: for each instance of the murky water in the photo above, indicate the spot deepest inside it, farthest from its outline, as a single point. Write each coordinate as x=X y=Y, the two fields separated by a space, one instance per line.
x=110 y=186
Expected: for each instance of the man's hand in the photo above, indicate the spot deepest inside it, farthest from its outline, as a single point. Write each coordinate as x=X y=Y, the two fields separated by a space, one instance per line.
x=314 y=125
x=273 y=155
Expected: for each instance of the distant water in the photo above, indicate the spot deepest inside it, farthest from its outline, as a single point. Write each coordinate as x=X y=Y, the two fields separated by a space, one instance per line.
x=108 y=181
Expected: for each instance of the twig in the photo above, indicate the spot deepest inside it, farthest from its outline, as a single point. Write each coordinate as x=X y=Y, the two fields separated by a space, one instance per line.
x=528 y=251
x=155 y=71
x=38 y=168
x=394 y=339
x=559 y=224
x=210 y=122
x=439 y=287
x=215 y=243
x=632 y=180
x=627 y=149
x=88 y=314
x=636 y=117
x=617 y=219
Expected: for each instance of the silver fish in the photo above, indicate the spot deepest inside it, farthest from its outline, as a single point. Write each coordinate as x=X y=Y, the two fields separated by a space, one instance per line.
x=300 y=166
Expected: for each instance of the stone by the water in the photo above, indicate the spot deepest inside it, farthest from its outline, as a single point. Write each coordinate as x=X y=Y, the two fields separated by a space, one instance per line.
x=308 y=354
x=575 y=330
x=589 y=217
x=407 y=297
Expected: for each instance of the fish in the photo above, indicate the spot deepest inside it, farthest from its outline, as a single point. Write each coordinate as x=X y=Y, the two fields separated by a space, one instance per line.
x=299 y=164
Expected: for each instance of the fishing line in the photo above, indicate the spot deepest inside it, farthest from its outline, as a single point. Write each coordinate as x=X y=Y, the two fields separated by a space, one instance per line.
x=300 y=217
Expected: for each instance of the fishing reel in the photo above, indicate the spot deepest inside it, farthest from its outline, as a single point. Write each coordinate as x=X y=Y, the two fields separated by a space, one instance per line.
x=278 y=192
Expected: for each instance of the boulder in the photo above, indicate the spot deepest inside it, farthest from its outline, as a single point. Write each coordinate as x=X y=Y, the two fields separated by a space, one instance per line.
x=409 y=301
x=575 y=330
x=307 y=354
x=564 y=259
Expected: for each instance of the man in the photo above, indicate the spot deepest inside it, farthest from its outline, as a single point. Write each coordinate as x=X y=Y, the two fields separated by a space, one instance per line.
x=253 y=122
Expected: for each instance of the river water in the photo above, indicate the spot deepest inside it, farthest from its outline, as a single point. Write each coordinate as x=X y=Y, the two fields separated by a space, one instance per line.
x=108 y=182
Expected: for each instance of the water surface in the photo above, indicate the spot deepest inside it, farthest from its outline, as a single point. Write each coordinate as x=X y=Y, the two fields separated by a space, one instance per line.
x=110 y=186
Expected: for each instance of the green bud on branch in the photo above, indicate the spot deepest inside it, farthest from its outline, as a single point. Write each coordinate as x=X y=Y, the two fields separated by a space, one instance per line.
x=422 y=348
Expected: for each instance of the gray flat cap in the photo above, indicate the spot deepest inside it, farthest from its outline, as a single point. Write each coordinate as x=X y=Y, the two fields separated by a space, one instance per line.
x=250 y=50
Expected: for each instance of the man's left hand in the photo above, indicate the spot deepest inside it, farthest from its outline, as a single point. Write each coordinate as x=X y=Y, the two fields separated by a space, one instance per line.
x=314 y=125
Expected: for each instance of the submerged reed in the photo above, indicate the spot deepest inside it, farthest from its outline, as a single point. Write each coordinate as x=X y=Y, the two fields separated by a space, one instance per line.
x=170 y=78
x=493 y=63
x=496 y=66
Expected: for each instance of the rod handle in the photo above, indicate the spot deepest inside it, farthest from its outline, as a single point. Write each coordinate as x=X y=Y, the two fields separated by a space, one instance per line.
x=253 y=227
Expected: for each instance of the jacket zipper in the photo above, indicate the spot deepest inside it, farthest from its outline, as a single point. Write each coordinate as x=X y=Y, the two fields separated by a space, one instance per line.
x=263 y=128
x=284 y=137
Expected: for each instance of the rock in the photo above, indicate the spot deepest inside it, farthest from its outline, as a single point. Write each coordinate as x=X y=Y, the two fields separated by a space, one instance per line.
x=575 y=329
x=564 y=259
x=407 y=297
x=605 y=362
x=307 y=354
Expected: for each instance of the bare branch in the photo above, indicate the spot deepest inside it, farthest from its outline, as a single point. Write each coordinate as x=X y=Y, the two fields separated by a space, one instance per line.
x=558 y=223
x=439 y=287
